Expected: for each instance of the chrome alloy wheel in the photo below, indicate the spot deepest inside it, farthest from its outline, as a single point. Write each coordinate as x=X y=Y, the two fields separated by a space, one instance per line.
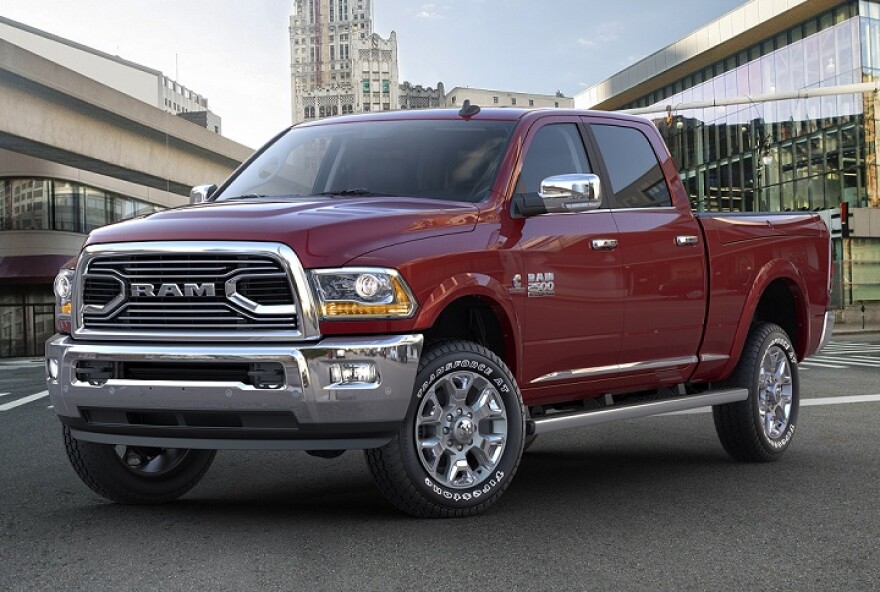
x=775 y=392
x=151 y=462
x=461 y=429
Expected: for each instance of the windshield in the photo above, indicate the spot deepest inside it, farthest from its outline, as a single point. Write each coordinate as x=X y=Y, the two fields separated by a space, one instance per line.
x=448 y=159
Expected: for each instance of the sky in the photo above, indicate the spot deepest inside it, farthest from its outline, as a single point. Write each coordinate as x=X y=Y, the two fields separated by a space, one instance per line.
x=237 y=54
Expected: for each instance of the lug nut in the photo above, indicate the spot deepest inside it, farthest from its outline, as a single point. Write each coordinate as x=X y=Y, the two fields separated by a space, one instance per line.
x=449 y=417
x=459 y=411
x=445 y=430
x=470 y=414
x=449 y=442
x=459 y=448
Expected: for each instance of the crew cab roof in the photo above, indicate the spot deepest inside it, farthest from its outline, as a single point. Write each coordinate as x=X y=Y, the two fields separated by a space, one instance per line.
x=486 y=113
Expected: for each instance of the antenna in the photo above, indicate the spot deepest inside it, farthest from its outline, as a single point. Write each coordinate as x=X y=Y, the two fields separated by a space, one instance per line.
x=468 y=110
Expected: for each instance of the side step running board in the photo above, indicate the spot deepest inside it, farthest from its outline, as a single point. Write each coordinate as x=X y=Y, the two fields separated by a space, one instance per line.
x=564 y=421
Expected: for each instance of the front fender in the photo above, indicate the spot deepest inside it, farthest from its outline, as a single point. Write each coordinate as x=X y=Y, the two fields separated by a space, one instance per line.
x=464 y=285
x=489 y=290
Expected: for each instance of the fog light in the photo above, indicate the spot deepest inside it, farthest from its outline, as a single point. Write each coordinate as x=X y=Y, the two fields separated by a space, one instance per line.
x=52 y=368
x=353 y=373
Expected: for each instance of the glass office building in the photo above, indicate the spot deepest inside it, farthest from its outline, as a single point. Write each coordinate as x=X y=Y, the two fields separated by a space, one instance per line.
x=810 y=153
x=27 y=305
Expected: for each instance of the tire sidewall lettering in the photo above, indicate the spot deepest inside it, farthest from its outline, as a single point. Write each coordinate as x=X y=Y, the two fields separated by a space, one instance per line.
x=785 y=345
x=782 y=442
x=475 y=493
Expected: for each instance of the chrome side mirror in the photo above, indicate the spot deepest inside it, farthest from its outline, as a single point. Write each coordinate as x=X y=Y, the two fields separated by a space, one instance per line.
x=201 y=193
x=571 y=193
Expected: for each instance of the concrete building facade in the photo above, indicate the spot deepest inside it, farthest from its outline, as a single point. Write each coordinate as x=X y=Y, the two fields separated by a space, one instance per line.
x=773 y=107
x=416 y=96
x=137 y=81
x=500 y=98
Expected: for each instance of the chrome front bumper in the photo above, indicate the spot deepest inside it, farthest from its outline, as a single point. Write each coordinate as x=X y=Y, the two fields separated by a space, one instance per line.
x=307 y=411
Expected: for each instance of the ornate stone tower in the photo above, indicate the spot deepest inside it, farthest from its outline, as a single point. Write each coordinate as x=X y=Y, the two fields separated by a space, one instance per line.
x=337 y=64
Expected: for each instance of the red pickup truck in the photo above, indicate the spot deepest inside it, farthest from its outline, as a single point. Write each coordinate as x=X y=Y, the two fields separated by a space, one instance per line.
x=436 y=288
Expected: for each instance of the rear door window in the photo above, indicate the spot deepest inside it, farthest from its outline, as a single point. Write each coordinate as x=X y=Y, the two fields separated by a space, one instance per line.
x=635 y=175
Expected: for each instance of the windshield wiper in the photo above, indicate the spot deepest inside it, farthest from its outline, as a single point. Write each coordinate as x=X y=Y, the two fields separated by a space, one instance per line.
x=354 y=192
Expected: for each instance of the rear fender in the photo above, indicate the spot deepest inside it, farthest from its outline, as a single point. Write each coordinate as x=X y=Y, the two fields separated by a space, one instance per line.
x=779 y=269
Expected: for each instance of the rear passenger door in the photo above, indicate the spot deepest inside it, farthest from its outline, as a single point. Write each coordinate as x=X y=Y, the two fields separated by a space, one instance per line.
x=661 y=250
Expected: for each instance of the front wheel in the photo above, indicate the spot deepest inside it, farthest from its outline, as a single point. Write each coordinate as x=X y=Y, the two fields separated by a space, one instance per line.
x=761 y=428
x=462 y=439
x=136 y=474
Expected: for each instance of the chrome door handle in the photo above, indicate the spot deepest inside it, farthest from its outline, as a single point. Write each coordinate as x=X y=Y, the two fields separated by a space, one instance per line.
x=686 y=241
x=604 y=244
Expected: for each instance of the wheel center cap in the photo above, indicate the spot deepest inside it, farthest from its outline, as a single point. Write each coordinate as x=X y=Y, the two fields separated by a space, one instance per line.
x=464 y=430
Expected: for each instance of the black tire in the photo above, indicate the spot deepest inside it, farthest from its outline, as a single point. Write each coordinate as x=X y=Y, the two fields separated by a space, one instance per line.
x=746 y=433
x=454 y=477
x=166 y=475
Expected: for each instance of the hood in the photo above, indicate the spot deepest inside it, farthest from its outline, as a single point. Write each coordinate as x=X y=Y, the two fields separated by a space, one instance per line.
x=324 y=232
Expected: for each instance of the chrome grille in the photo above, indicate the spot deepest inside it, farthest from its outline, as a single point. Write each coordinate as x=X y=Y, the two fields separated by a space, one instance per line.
x=176 y=291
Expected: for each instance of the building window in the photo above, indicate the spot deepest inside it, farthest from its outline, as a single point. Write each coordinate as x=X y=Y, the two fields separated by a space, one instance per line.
x=453 y=100
x=366 y=85
x=495 y=100
x=44 y=204
x=24 y=204
x=386 y=86
x=531 y=103
x=513 y=100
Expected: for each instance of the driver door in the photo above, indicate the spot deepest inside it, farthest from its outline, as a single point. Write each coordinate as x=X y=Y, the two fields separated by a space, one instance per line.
x=571 y=279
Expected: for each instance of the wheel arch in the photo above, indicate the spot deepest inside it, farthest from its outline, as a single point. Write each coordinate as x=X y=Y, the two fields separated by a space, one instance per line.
x=778 y=295
x=474 y=307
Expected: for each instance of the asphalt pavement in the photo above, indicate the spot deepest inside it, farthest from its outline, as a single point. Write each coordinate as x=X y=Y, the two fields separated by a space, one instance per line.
x=650 y=504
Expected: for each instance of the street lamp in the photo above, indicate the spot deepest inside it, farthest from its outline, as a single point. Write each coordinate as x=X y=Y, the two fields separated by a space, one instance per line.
x=761 y=148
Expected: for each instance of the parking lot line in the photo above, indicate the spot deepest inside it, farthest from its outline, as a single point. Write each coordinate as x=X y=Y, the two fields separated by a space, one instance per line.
x=804 y=403
x=23 y=401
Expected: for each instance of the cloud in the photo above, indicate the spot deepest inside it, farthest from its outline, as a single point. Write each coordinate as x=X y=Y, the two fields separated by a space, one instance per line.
x=429 y=11
x=605 y=33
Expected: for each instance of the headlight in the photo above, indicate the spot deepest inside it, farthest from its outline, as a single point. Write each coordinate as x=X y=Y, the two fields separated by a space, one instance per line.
x=63 y=296
x=362 y=293
x=64 y=284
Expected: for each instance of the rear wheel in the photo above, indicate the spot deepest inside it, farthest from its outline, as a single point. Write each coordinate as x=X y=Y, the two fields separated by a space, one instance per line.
x=761 y=428
x=462 y=440
x=136 y=474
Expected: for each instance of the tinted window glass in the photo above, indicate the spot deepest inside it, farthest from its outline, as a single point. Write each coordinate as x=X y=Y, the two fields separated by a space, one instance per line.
x=441 y=159
x=554 y=150
x=636 y=178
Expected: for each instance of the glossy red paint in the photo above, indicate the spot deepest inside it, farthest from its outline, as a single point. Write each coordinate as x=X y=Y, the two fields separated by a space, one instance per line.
x=613 y=313
x=746 y=255
x=324 y=232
